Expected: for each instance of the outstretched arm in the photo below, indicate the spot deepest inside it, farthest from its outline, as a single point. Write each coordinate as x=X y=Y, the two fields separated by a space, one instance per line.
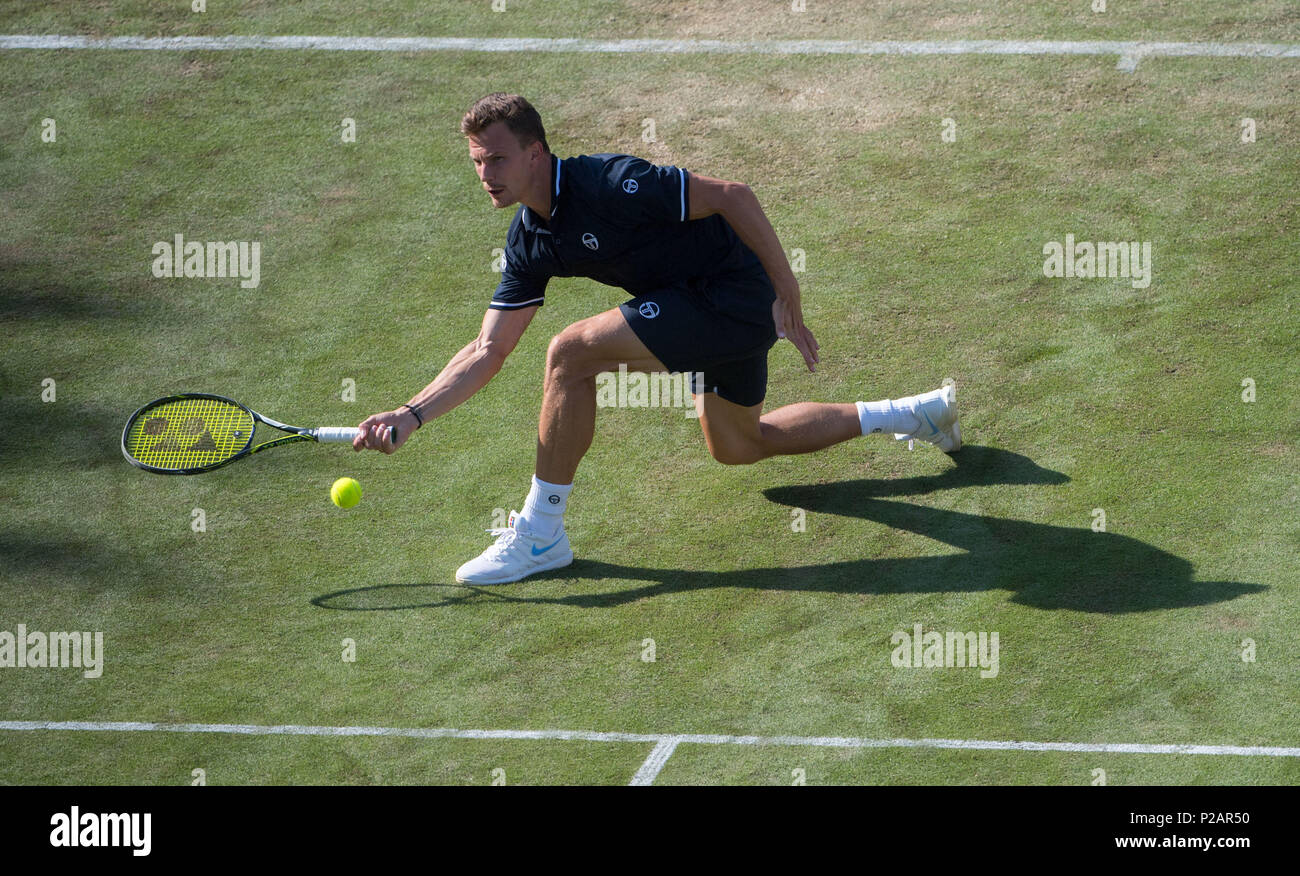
x=739 y=206
x=466 y=373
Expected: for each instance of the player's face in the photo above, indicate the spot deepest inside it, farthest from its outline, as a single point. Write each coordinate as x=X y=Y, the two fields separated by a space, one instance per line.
x=505 y=169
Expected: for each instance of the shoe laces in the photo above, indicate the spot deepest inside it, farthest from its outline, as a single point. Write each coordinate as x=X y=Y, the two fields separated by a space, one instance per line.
x=505 y=539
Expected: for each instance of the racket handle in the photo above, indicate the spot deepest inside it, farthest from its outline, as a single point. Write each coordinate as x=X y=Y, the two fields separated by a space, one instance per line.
x=346 y=434
x=336 y=434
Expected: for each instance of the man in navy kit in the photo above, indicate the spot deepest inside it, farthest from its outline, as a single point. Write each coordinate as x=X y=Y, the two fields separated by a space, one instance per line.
x=712 y=292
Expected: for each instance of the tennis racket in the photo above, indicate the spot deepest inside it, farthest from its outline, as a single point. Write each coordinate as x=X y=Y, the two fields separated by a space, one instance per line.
x=196 y=432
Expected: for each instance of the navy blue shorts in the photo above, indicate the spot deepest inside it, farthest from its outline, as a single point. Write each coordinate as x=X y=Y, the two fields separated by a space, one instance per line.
x=720 y=327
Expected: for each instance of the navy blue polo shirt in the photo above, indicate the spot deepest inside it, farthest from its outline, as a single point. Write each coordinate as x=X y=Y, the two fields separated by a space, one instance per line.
x=619 y=220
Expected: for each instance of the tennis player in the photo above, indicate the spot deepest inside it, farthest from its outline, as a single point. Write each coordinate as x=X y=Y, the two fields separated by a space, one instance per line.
x=711 y=294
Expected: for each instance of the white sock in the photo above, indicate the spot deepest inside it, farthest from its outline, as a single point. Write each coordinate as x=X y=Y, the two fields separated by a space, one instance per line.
x=889 y=417
x=544 y=508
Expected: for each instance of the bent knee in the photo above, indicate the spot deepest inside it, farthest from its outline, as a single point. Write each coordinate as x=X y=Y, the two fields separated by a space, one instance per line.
x=564 y=346
x=735 y=453
x=567 y=353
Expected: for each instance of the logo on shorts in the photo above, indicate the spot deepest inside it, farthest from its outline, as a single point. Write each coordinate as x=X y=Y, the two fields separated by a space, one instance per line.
x=649 y=309
x=589 y=241
x=630 y=186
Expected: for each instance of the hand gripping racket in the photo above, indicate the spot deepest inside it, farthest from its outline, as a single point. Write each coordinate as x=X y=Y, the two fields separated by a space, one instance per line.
x=196 y=432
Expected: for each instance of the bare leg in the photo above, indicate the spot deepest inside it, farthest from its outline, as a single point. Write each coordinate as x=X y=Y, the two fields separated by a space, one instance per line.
x=735 y=435
x=739 y=435
x=575 y=357
x=807 y=426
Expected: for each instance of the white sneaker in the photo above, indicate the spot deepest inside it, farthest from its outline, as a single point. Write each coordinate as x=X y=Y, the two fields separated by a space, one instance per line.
x=516 y=554
x=937 y=413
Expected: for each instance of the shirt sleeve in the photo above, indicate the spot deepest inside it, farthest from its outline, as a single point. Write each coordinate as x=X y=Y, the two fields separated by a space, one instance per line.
x=518 y=288
x=644 y=192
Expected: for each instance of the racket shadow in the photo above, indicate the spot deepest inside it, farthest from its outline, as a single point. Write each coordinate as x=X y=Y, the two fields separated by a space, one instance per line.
x=400 y=597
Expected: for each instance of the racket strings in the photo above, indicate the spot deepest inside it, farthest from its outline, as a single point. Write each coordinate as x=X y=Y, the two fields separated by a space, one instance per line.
x=189 y=433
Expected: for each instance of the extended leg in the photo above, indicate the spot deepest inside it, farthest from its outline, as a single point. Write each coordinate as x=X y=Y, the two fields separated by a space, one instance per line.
x=738 y=435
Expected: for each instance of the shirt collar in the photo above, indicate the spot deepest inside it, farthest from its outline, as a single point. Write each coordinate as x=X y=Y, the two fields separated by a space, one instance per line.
x=529 y=218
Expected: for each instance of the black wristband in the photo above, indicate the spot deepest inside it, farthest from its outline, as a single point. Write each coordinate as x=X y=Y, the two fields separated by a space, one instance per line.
x=416 y=414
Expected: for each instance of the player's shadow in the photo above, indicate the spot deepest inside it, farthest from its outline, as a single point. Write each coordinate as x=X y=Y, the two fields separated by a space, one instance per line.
x=974 y=466
x=1045 y=566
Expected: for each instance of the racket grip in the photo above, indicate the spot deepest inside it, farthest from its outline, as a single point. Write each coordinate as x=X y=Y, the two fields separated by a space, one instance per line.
x=337 y=434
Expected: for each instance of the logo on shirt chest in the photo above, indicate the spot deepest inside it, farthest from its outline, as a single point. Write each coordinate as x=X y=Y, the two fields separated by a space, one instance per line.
x=590 y=242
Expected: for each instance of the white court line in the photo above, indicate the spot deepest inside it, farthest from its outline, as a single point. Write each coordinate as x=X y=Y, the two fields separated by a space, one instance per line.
x=1130 y=52
x=655 y=762
x=660 y=739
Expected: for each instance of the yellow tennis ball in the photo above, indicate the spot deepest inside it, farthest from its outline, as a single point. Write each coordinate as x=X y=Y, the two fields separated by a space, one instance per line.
x=346 y=492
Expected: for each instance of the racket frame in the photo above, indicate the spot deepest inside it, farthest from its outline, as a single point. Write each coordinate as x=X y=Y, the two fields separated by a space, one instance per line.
x=297 y=434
